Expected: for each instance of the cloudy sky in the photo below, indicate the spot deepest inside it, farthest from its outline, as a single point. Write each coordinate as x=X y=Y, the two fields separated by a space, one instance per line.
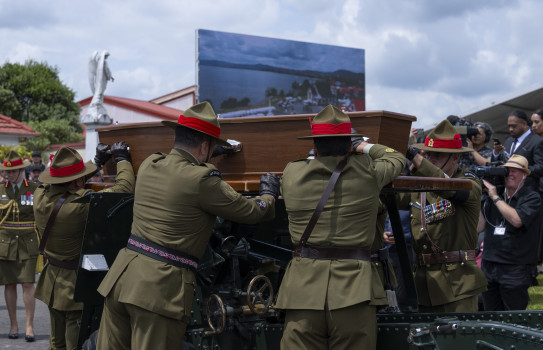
x=428 y=58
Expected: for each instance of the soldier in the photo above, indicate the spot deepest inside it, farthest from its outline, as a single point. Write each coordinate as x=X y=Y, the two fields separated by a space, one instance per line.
x=444 y=227
x=62 y=227
x=149 y=288
x=330 y=287
x=19 y=242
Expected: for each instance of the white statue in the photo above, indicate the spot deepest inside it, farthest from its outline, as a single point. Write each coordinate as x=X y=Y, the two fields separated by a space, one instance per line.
x=99 y=74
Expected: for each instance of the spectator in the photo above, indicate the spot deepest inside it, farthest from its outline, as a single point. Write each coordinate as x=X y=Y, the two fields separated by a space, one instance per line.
x=510 y=254
x=524 y=142
x=36 y=161
x=34 y=173
x=537 y=122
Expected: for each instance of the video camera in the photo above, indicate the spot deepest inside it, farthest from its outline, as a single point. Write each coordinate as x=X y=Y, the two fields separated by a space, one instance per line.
x=494 y=173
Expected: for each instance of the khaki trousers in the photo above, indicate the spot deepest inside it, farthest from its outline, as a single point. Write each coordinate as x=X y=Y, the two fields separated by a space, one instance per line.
x=64 y=329
x=353 y=327
x=126 y=326
x=468 y=304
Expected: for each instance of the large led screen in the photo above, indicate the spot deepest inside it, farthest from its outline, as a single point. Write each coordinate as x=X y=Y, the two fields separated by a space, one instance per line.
x=245 y=75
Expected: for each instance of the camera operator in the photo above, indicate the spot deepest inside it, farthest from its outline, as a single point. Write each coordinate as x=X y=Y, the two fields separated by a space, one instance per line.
x=481 y=154
x=510 y=239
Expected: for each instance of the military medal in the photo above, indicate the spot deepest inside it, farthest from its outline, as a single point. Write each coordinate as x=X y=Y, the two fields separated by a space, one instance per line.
x=23 y=200
x=438 y=210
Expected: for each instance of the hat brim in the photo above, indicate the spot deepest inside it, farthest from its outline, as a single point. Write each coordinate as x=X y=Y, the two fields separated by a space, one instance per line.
x=46 y=178
x=174 y=125
x=26 y=163
x=327 y=135
x=422 y=146
x=526 y=171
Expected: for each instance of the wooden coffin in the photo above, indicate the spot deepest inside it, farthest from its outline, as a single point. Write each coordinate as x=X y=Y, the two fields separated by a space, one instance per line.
x=268 y=143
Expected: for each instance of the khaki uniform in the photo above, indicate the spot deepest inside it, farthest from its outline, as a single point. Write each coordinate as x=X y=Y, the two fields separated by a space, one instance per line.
x=455 y=286
x=348 y=220
x=56 y=285
x=176 y=203
x=18 y=237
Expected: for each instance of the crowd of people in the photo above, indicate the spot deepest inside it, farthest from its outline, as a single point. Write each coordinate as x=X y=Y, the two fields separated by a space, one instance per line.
x=463 y=243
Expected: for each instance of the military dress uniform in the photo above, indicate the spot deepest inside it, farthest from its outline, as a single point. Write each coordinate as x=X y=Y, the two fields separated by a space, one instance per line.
x=57 y=281
x=177 y=199
x=327 y=301
x=447 y=277
x=18 y=237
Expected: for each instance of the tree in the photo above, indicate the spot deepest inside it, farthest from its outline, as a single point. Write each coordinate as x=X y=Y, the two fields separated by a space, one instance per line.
x=33 y=94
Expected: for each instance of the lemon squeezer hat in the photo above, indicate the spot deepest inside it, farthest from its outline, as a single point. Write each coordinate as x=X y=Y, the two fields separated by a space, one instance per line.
x=518 y=162
x=13 y=161
x=201 y=118
x=67 y=165
x=329 y=122
x=444 y=138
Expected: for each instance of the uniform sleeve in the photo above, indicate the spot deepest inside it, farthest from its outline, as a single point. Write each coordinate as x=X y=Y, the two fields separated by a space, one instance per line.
x=387 y=163
x=125 y=180
x=219 y=198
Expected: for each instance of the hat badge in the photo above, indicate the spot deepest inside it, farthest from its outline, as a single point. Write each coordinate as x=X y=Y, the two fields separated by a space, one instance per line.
x=8 y=163
x=431 y=143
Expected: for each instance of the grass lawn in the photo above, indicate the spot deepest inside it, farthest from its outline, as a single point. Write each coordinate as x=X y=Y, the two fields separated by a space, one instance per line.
x=536 y=295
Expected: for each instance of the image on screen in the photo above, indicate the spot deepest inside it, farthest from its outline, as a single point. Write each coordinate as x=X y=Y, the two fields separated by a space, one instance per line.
x=245 y=75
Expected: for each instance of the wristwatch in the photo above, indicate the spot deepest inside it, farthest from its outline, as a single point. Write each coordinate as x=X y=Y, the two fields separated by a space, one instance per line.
x=497 y=200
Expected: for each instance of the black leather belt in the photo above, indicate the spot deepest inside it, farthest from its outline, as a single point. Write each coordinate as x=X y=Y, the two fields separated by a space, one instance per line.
x=65 y=264
x=163 y=254
x=328 y=253
x=446 y=257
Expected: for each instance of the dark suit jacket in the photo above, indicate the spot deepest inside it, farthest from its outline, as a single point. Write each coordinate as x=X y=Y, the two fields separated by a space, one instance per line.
x=532 y=149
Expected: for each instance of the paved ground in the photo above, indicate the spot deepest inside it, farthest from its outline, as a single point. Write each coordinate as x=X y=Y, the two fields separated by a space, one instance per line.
x=41 y=324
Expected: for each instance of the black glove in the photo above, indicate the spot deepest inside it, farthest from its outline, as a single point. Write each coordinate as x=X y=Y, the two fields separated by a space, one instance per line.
x=219 y=150
x=102 y=154
x=269 y=184
x=120 y=151
x=412 y=151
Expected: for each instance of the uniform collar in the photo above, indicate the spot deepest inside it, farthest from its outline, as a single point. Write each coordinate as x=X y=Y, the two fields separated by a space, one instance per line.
x=185 y=154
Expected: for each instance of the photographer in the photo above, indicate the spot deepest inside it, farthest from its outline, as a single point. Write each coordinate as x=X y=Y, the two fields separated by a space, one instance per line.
x=510 y=239
x=481 y=154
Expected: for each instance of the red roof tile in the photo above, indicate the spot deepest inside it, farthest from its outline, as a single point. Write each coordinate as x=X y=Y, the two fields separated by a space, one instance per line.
x=149 y=108
x=10 y=126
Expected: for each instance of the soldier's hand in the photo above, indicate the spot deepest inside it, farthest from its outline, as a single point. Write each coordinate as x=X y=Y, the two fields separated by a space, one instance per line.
x=102 y=154
x=220 y=150
x=412 y=151
x=269 y=184
x=120 y=151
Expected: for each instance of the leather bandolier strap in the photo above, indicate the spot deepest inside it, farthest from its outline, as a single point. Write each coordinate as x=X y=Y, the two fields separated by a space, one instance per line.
x=317 y=252
x=438 y=256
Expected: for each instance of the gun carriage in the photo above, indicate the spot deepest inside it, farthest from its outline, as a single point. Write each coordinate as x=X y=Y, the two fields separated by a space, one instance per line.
x=241 y=271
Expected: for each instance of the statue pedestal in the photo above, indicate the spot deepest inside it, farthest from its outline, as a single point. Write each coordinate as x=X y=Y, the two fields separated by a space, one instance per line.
x=91 y=139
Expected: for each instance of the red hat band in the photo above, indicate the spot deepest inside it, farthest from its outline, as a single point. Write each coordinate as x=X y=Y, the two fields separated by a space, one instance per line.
x=67 y=170
x=455 y=143
x=330 y=129
x=9 y=164
x=200 y=125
